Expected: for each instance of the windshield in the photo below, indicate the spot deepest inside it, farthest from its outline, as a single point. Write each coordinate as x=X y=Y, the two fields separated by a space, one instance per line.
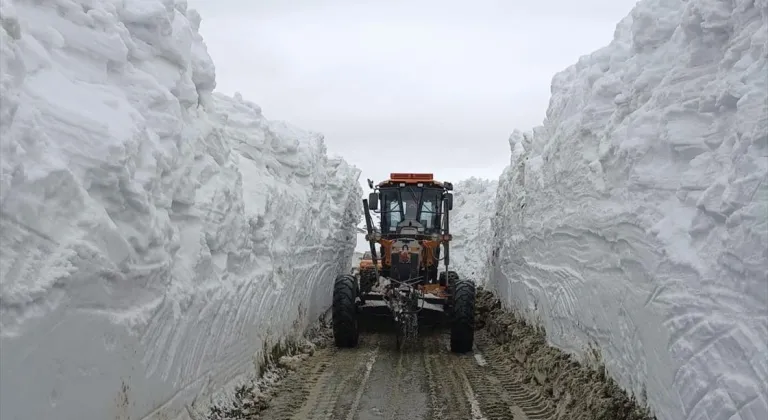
x=410 y=203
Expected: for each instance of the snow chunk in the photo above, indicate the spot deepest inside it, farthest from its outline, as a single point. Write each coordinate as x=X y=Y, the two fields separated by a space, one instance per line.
x=155 y=236
x=634 y=218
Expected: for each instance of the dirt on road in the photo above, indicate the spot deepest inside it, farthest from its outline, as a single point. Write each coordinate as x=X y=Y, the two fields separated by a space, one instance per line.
x=577 y=392
x=425 y=381
x=511 y=375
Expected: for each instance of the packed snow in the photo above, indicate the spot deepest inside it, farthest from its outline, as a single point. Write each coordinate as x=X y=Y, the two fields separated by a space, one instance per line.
x=470 y=224
x=634 y=218
x=155 y=236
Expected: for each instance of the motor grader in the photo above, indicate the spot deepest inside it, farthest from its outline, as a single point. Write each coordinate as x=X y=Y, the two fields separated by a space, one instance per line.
x=403 y=276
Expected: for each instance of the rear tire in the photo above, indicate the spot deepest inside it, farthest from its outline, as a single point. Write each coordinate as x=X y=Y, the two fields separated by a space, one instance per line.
x=453 y=277
x=345 y=329
x=463 y=316
x=367 y=280
x=448 y=279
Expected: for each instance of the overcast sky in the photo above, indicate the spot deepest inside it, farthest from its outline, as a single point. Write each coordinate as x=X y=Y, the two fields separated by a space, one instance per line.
x=450 y=79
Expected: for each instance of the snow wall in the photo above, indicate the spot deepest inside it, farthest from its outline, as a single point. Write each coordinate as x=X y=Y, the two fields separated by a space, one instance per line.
x=473 y=204
x=634 y=219
x=154 y=236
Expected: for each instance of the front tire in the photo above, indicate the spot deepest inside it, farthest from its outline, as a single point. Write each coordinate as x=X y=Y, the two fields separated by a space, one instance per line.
x=345 y=328
x=463 y=316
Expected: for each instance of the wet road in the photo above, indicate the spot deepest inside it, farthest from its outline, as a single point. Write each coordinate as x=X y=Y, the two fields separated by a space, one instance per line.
x=424 y=381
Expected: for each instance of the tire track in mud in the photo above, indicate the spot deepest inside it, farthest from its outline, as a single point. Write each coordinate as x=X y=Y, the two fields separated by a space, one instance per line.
x=482 y=389
x=351 y=409
x=447 y=400
x=492 y=389
x=529 y=404
x=346 y=373
x=424 y=381
x=298 y=387
x=312 y=393
x=395 y=390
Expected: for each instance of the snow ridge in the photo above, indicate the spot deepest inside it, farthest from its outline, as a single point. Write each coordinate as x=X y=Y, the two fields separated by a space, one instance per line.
x=154 y=235
x=473 y=205
x=634 y=219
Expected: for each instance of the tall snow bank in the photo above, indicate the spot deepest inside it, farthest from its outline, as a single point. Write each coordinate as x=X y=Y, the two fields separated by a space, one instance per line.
x=154 y=236
x=470 y=223
x=634 y=219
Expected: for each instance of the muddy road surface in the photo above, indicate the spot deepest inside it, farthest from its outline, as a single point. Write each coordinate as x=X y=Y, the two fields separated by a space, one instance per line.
x=422 y=381
x=511 y=374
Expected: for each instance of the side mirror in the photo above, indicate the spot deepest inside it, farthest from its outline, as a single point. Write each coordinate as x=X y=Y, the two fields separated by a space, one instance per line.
x=448 y=186
x=370 y=183
x=373 y=201
x=449 y=201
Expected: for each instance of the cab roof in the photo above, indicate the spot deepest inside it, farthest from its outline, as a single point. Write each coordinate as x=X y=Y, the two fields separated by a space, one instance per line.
x=410 y=178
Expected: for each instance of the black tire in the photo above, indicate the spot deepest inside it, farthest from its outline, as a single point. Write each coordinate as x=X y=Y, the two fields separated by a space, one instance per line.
x=345 y=328
x=463 y=317
x=367 y=279
x=453 y=277
x=448 y=279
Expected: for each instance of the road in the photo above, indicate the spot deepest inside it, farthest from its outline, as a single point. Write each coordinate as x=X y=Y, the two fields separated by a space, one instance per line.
x=421 y=382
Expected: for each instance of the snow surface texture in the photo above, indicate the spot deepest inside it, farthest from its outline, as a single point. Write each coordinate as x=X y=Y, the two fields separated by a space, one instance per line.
x=154 y=236
x=634 y=219
x=470 y=223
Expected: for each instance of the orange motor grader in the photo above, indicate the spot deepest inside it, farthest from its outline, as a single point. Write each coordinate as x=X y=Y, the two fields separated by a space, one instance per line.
x=413 y=237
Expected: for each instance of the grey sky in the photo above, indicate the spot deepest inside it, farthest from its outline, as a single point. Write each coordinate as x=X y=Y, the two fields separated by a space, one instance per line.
x=450 y=79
